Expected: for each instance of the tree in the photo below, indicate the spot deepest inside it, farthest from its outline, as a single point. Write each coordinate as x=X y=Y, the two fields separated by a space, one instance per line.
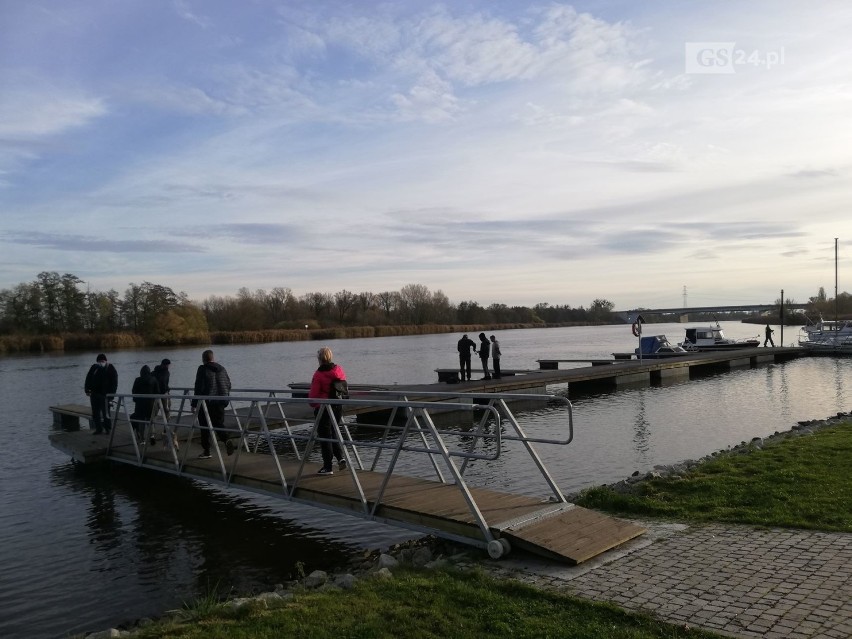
x=185 y=324
x=343 y=303
x=600 y=310
x=415 y=303
x=388 y=302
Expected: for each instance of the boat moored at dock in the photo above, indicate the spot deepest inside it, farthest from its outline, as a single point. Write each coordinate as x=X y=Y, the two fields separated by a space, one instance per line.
x=712 y=338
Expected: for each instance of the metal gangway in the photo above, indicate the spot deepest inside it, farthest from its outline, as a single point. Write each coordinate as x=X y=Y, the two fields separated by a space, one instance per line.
x=407 y=463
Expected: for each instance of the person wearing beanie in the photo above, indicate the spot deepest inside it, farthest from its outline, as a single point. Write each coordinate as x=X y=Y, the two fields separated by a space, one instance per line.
x=101 y=381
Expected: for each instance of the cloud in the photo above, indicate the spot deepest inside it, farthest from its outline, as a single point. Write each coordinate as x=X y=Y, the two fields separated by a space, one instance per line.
x=90 y=244
x=38 y=112
x=183 y=10
x=814 y=173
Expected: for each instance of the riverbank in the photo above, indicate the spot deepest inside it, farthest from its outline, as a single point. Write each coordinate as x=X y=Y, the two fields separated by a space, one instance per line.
x=15 y=344
x=725 y=577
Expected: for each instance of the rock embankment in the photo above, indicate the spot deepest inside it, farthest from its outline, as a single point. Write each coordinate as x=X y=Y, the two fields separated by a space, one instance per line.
x=427 y=552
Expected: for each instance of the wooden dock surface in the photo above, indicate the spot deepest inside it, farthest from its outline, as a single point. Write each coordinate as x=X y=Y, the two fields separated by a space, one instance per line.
x=572 y=535
x=569 y=533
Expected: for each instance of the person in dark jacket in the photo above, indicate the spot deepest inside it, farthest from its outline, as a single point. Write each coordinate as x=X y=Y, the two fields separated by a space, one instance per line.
x=465 y=347
x=143 y=407
x=212 y=379
x=101 y=380
x=321 y=385
x=162 y=374
x=484 y=352
x=495 y=356
x=768 y=332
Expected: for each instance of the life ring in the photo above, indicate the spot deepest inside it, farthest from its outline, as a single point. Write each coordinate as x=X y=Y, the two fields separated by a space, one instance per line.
x=637 y=329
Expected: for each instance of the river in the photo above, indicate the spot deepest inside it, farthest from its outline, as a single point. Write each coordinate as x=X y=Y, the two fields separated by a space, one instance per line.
x=84 y=549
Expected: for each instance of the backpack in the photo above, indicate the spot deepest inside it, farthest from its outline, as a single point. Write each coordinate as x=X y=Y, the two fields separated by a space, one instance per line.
x=339 y=389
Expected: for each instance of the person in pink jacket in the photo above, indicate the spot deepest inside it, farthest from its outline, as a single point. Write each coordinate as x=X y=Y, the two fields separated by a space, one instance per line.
x=321 y=386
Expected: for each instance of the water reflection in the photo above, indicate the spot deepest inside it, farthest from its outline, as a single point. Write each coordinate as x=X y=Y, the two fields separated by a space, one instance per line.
x=102 y=520
x=108 y=547
x=641 y=429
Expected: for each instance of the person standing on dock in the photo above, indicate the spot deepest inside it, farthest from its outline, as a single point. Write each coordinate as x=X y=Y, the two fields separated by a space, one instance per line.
x=322 y=384
x=212 y=379
x=495 y=357
x=161 y=372
x=101 y=380
x=768 y=338
x=143 y=407
x=466 y=346
x=484 y=352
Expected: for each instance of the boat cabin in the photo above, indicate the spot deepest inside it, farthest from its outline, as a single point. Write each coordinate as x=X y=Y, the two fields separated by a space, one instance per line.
x=657 y=346
x=705 y=336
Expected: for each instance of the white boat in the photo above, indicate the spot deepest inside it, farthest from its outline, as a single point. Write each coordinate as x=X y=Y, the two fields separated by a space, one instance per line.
x=831 y=337
x=711 y=338
x=828 y=336
x=654 y=347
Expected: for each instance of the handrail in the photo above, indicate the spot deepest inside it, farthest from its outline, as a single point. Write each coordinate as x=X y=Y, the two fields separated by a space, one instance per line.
x=274 y=417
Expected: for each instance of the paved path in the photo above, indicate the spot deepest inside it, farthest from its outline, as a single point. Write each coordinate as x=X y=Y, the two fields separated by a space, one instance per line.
x=735 y=580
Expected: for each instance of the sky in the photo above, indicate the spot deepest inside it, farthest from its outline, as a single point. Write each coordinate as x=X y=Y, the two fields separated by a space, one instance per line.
x=647 y=153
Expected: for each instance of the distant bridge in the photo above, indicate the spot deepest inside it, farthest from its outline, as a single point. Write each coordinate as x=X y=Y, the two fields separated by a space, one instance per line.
x=630 y=316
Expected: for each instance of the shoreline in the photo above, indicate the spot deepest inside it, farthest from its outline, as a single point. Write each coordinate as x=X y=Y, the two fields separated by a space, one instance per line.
x=431 y=552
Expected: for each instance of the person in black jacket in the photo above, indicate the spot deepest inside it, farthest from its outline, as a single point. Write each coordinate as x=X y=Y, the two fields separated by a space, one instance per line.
x=212 y=379
x=465 y=346
x=101 y=380
x=143 y=407
x=484 y=352
x=162 y=374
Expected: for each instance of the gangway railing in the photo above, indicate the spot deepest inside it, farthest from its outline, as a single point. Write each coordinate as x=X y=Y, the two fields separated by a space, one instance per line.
x=281 y=431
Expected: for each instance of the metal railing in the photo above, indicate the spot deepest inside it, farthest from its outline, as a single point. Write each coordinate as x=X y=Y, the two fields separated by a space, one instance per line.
x=272 y=424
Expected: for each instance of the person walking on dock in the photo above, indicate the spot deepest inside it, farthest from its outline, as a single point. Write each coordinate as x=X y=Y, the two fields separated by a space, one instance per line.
x=212 y=379
x=495 y=357
x=322 y=385
x=768 y=338
x=143 y=407
x=465 y=346
x=101 y=380
x=484 y=352
x=162 y=374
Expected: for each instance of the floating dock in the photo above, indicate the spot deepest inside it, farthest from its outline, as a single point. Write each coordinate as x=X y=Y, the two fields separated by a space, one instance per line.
x=446 y=426
x=274 y=437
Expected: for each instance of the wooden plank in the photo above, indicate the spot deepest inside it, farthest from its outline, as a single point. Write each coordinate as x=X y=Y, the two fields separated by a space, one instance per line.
x=576 y=535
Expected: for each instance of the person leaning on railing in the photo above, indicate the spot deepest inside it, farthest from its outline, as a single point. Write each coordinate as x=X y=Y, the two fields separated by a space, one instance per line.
x=322 y=385
x=212 y=379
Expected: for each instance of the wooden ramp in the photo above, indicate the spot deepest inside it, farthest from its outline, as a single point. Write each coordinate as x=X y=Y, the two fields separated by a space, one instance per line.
x=562 y=532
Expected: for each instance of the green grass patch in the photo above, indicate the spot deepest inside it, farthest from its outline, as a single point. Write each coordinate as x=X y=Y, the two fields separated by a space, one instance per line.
x=419 y=604
x=797 y=482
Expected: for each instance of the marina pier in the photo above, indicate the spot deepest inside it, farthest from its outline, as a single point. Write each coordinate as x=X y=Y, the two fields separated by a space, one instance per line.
x=407 y=451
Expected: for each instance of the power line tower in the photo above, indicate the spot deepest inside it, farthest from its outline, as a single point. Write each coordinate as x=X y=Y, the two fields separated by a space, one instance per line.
x=684 y=296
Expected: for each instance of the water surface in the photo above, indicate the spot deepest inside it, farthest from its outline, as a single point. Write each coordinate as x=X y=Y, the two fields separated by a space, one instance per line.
x=85 y=549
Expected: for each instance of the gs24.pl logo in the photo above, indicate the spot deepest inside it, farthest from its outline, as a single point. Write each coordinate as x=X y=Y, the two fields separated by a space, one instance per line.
x=725 y=57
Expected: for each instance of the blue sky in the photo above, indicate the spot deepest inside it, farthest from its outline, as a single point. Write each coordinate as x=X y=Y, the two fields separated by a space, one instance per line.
x=496 y=151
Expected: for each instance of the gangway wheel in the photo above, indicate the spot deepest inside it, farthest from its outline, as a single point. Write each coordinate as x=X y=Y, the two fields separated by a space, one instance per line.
x=498 y=548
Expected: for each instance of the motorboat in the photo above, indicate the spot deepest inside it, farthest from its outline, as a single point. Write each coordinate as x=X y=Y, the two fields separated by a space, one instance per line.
x=656 y=347
x=827 y=336
x=711 y=338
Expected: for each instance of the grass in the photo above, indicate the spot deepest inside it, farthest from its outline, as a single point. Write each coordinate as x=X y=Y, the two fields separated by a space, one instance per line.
x=419 y=604
x=798 y=482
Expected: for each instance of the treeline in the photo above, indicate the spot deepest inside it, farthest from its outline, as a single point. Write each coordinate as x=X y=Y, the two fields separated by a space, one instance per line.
x=55 y=312
x=412 y=305
x=55 y=305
